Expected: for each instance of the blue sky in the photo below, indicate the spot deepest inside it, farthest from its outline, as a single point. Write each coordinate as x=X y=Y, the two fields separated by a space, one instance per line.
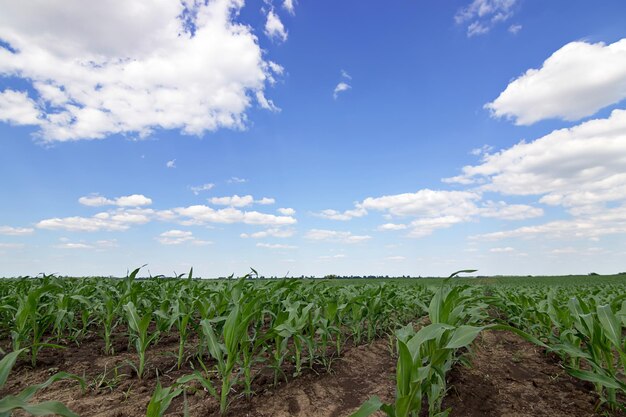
x=312 y=138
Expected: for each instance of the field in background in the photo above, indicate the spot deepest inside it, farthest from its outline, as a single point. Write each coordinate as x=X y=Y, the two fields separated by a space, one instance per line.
x=151 y=347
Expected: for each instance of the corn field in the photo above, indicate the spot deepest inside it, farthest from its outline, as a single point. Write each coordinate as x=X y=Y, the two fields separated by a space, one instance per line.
x=228 y=335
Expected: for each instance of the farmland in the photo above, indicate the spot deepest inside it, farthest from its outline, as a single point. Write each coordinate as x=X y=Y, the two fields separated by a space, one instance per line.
x=397 y=347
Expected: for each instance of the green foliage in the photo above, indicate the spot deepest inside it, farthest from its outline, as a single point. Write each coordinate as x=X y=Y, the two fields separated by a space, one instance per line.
x=10 y=403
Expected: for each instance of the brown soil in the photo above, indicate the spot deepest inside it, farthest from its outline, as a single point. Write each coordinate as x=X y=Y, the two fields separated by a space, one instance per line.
x=361 y=372
x=511 y=377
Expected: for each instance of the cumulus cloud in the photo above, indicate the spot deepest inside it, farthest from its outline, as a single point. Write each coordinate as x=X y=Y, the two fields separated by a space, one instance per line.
x=197 y=189
x=506 y=249
x=274 y=28
x=171 y=164
x=200 y=214
x=117 y=220
x=178 y=237
x=330 y=214
x=591 y=226
x=271 y=232
x=123 y=217
x=171 y=65
x=134 y=200
x=574 y=167
x=18 y=109
x=576 y=81
x=481 y=16
x=505 y=211
x=287 y=211
x=335 y=236
x=391 y=226
x=275 y=246
x=240 y=201
x=16 y=231
x=289 y=5
x=425 y=202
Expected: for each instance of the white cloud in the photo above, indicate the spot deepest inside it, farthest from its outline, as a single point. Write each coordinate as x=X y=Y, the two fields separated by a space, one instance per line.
x=265 y=103
x=514 y=29
x=330 y=214
x=272 y=232
x=275 y=246
x=18 y=109
x=502 y=210
x=286 y=211
x=4 y=245
x=576 y=81
x=341 y=86
x=502 y=250
x=391 y=226
x=592 y=226
x=233 y=201
x=425 y=202
x=476 y=28
x=426 y=226
x=335 y=236
x=197 y=189
x=200 y=214
x=168 y=64
x=274 y=28
x=237 y=180
x=345 y=75
x=134 y=200
x=289 y=5
x=123 y=218
x=178 y=237
x=575 y=167
x=482 y=15
x=72 y=245
x=171 y=164
x=483 y=150
x=395 y=258
x=16 y=231
x=265 y=201
x=240 y=201
x=337 y=256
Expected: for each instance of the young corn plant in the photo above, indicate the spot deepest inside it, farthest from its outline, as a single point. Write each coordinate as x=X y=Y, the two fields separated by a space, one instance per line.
x=10 y=403
x=161 y=399
x=138 y=326
x=227 y=354
x=425 y=356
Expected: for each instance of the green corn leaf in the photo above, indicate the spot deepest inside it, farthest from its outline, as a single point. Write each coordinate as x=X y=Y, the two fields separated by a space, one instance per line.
x=216 y=349
x=463 y=336
x=10 y=403
x=6 y=365
x=462 y=271
x=596 y=378
x=611 y=325
x=368 y=408
x=404 y=369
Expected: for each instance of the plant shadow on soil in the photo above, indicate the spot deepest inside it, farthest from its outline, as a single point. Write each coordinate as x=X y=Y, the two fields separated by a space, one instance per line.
x=508 y=377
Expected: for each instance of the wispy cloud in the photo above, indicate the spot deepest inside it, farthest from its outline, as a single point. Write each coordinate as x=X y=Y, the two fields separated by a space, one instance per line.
x=481 y=16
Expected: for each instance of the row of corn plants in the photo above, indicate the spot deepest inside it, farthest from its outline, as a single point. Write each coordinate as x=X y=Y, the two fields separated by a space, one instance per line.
x=585 y=325
x=229 y=331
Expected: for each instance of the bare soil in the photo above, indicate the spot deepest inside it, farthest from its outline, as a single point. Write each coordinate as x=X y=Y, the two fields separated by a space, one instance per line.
x=508 y=377
x=362 y=371
x=511 y=377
